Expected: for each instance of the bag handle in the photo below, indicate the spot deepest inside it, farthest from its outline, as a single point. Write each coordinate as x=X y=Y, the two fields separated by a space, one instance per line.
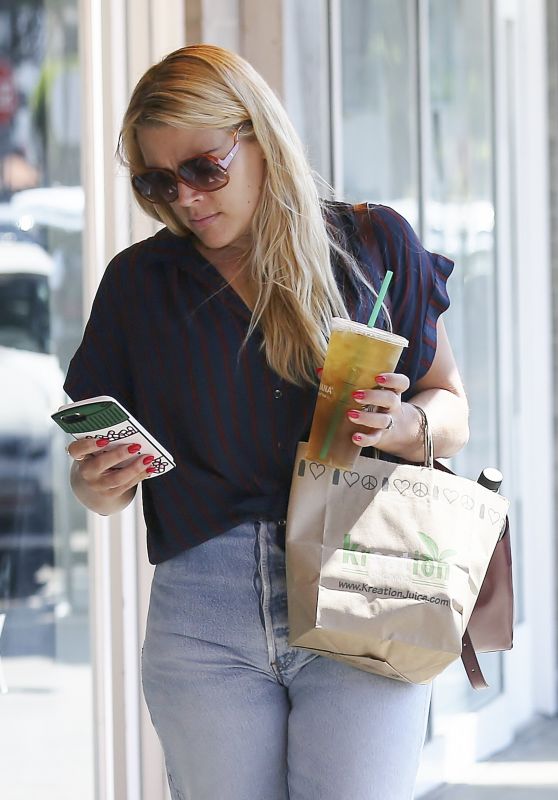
x=468 y=655
x=471 y=664
x=427 y=438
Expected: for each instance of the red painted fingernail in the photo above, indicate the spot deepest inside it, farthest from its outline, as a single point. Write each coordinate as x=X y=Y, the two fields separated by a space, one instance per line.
x=381 y=379
x=102 y=442
x=148 y=459
x=150 y=470
x=319 y=372
x=353 y=414
x=134 y=448
x=358 y=395
x=357 y=438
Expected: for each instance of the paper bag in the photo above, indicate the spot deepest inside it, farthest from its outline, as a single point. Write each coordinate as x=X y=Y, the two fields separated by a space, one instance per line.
x=384 y=563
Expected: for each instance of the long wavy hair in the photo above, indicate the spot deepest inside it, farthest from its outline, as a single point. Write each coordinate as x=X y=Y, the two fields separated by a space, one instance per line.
x=204 y=86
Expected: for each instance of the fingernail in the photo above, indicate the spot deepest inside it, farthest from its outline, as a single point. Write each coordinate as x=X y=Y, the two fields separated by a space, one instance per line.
x=357 y=438
x=319 y=372
x=353 y=414
x=102 y=442
x=381 y=379
x=148 y=459
x=150 y=470
x=358 y=395
x=134 y=448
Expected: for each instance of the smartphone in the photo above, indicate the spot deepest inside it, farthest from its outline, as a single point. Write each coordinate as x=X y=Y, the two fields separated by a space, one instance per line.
x=104 y=417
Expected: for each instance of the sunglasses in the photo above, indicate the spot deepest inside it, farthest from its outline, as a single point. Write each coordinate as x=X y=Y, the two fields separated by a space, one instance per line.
x=206 y=173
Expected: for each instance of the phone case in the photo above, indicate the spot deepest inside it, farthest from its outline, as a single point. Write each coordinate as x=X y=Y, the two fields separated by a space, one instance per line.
x=103 y=416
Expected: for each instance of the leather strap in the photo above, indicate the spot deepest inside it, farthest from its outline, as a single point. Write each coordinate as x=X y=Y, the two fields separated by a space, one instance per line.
x=471 y=664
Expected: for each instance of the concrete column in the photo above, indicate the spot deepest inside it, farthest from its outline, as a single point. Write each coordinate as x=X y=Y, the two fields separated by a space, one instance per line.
x=261 y=39
x=252 y=28
x=214 y=22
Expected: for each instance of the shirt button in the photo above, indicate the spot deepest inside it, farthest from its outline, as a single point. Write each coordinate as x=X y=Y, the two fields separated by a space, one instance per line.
x=279 y=445
x=278 y=394
x=282 y=523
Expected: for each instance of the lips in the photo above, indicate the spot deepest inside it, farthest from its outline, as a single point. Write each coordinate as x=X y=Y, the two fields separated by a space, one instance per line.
x=201 y=222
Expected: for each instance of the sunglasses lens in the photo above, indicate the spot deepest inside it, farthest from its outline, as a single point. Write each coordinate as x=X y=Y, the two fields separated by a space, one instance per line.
x=200 y=173
x=203 y=174
x=156 y=186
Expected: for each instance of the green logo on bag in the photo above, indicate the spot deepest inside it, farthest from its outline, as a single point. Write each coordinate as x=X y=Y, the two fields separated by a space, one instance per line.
x=350 y=549
x=432 y=565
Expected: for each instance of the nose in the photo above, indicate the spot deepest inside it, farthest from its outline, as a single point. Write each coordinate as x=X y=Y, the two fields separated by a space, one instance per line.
x=187 y=195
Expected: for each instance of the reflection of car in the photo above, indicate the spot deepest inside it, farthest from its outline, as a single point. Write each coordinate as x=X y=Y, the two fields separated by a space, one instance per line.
x=54 y=206
x=31 y=381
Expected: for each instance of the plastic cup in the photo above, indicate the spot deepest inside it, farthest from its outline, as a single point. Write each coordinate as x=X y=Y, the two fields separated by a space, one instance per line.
x=355 y=355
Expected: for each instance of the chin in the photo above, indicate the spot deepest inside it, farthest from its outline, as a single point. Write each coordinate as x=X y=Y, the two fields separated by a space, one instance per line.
x=213 y=240
x=214 y=243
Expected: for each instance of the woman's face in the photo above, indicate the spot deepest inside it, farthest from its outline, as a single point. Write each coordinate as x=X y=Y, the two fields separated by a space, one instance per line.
x=218 y=219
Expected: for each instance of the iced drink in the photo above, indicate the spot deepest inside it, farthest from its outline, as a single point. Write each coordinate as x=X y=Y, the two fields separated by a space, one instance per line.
x=355 y=355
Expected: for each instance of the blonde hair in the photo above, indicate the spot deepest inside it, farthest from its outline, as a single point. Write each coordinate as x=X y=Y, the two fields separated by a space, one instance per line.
x=290 y=259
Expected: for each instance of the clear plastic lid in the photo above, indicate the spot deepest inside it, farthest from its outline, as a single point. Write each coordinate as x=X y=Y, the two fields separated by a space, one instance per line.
x=339 y=324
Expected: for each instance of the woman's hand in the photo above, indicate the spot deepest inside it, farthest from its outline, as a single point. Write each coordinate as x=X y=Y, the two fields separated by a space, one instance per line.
x=98 y=481
x=439 y=393
x=380 y=410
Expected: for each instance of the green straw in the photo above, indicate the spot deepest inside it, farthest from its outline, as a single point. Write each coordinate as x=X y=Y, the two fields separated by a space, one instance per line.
x=338 y=413
x=380 y=299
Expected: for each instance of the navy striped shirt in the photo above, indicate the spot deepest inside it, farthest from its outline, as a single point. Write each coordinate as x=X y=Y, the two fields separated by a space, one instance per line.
x=164 y=338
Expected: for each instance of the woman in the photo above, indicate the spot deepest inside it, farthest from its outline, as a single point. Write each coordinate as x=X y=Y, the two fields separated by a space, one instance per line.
x=212 y=333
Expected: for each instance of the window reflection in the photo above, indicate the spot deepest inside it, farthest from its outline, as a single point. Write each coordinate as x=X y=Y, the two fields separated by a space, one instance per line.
x=380 y=138
x=44 y=652
x=459 y=222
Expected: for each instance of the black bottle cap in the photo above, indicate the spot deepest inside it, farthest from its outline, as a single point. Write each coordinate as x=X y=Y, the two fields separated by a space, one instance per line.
x=491 y=478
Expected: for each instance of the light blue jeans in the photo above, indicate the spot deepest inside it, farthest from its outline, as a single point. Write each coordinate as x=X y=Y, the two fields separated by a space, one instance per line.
x=240 y=714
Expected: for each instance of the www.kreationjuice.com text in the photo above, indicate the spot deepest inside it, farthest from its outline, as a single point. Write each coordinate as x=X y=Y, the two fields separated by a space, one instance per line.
x=386 y=591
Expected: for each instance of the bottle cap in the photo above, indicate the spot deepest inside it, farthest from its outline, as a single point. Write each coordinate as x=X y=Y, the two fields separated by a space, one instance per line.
x=491 y=478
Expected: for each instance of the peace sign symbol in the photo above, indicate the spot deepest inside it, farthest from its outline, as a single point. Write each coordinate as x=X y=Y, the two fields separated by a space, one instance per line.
x=369 y=482
x=467 y=502
x=420 y=489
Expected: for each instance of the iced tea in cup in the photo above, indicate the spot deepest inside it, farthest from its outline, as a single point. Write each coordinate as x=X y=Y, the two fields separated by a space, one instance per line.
x=355 y=355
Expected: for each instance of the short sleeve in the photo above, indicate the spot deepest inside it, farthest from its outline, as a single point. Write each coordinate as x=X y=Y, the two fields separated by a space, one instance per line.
x=418 y=293
x=99 y=366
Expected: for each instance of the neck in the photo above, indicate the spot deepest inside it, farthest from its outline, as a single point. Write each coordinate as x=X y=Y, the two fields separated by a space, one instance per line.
x=232 y=263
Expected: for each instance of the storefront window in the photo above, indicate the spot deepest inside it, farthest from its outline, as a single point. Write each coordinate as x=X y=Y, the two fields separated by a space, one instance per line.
x=46 y=737
x=459 y=222
x=379 y=102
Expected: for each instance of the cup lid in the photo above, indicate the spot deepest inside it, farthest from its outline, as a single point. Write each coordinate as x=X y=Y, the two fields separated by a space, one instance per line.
x=340 y=324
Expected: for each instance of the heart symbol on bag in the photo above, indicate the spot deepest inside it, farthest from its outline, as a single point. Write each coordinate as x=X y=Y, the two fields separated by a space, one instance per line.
x=317 y=470
x=401 y=485
x=451 y=495
x=351 y=478
x=494 y=516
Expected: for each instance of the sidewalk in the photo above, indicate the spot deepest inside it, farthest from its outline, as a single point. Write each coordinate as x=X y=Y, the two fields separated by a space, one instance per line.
x=527 y=770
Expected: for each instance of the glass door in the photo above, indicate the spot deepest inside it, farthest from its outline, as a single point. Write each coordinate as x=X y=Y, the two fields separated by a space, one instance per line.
x=459 y=221
x=379 y=86
x=46 y=736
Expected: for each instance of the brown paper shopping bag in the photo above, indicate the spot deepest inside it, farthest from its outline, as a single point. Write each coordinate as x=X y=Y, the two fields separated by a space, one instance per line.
x=385 y=563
